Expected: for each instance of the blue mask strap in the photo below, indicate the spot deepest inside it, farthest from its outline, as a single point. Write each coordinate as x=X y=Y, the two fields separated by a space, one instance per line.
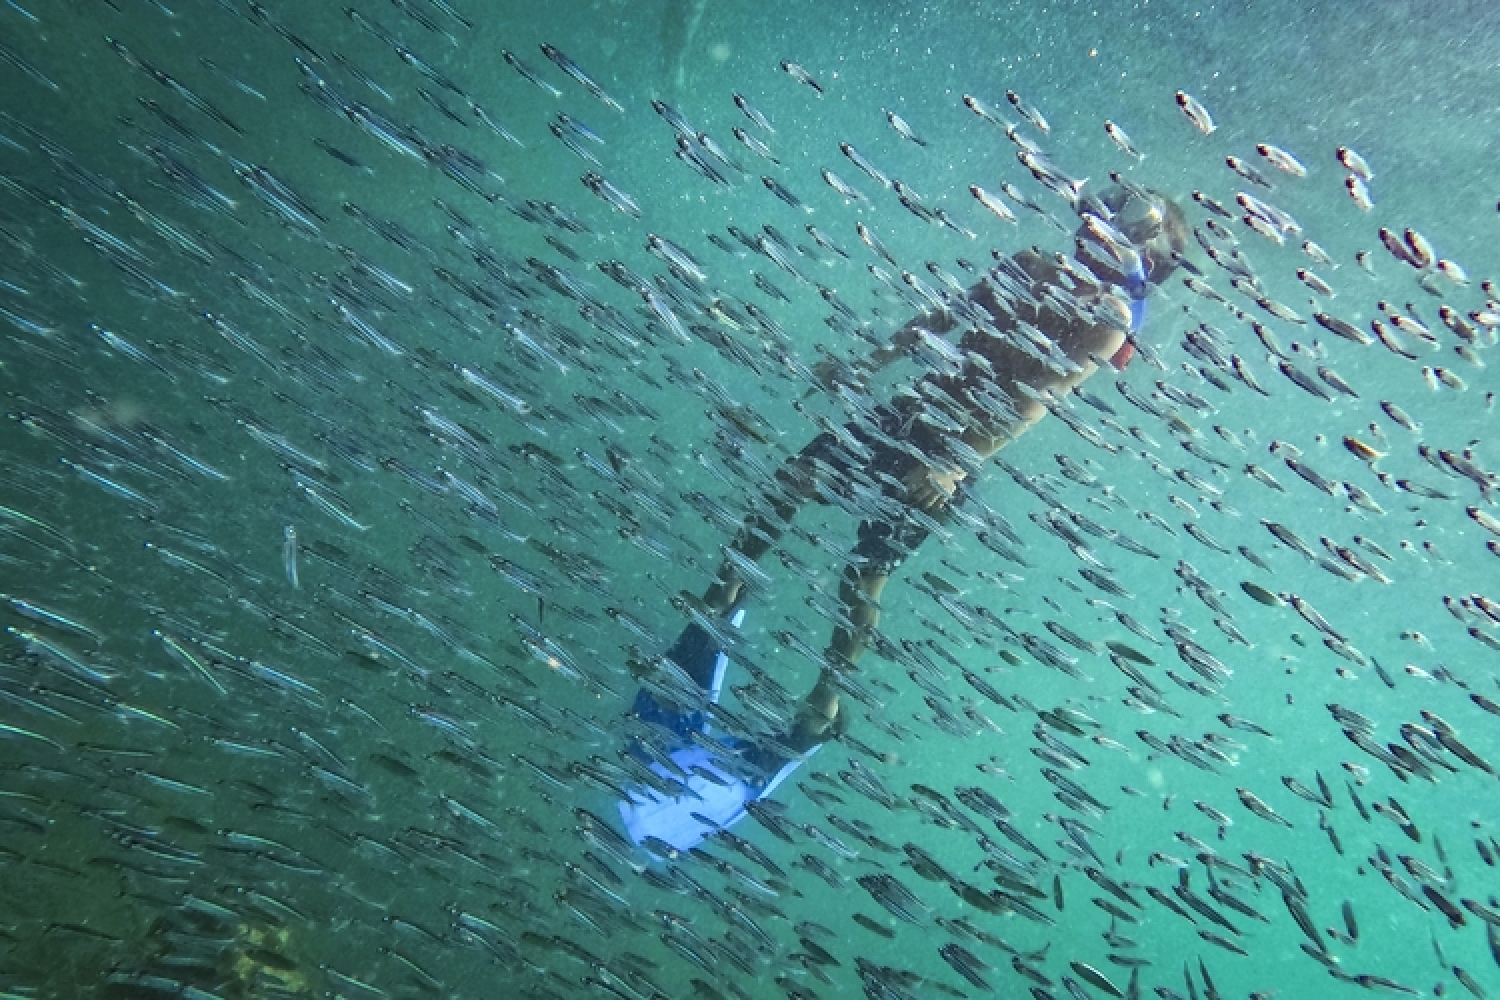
x=1135 y=284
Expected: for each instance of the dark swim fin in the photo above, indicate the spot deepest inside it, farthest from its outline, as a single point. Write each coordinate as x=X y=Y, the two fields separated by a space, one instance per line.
x=698 y=653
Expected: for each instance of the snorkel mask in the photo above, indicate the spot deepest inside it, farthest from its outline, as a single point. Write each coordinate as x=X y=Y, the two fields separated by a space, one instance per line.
x=1123 y=240
x=1126 y=240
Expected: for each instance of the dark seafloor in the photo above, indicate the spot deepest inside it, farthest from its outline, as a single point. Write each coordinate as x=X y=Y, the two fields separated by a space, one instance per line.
x=338 y=482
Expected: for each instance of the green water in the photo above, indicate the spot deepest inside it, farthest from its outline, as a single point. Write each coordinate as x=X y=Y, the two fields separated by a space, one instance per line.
x=322 y=819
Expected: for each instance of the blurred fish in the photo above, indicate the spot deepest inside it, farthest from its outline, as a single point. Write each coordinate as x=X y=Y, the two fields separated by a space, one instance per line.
x=902 y=129
x=802 y=76
x=247 y=744
x=572 y=69
x=1121 y=140
x=1196 y=113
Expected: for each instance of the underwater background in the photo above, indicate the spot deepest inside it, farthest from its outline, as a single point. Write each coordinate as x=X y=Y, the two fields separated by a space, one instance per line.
x=341 y=485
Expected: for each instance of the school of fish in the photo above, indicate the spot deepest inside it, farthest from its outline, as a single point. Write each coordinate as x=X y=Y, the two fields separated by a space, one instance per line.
x=373 y=402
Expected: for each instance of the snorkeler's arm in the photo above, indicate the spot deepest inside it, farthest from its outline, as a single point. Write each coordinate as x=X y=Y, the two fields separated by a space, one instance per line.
x=904 y=339
x=831 y=370
x=943 y=321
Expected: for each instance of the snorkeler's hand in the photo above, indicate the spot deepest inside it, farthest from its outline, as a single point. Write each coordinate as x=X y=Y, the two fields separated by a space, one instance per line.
x=930 y=488
x=830 y=372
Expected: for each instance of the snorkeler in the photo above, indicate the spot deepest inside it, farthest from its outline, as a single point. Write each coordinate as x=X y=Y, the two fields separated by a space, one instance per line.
x=1033 y=328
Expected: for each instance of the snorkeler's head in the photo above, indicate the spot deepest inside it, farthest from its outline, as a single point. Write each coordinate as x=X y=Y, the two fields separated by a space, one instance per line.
x=1131 y=236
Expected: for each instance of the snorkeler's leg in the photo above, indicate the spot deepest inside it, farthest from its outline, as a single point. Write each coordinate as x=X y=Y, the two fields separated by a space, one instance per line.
x=859 y=592
x=795 y=485
x=754 y=539
x=882 y=547
x=818 y=716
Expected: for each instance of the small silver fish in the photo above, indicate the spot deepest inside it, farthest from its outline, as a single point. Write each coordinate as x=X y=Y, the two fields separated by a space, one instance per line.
x=568 y=66
x=1196 y=112
x=1281 y=159
x=289 y=550
x=845 y=190
x=1354 y=163
x=1318 y=254
x=1358 y=191
x=1248 y=172
x=858 y=159
x=1121 y=140
x=1028 y=112
x=1317 y=284
x=612 y=194
x=753 y=114
x=903 y=129
x=801 y=76
x=775 y=187
x=755 y=146
x=983 y=110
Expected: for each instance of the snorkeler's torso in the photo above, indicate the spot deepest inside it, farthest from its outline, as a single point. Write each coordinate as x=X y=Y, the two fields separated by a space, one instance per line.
x=1040 y=330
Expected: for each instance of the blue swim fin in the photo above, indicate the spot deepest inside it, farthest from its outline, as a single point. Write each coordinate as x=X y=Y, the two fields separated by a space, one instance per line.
x=698 y=653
